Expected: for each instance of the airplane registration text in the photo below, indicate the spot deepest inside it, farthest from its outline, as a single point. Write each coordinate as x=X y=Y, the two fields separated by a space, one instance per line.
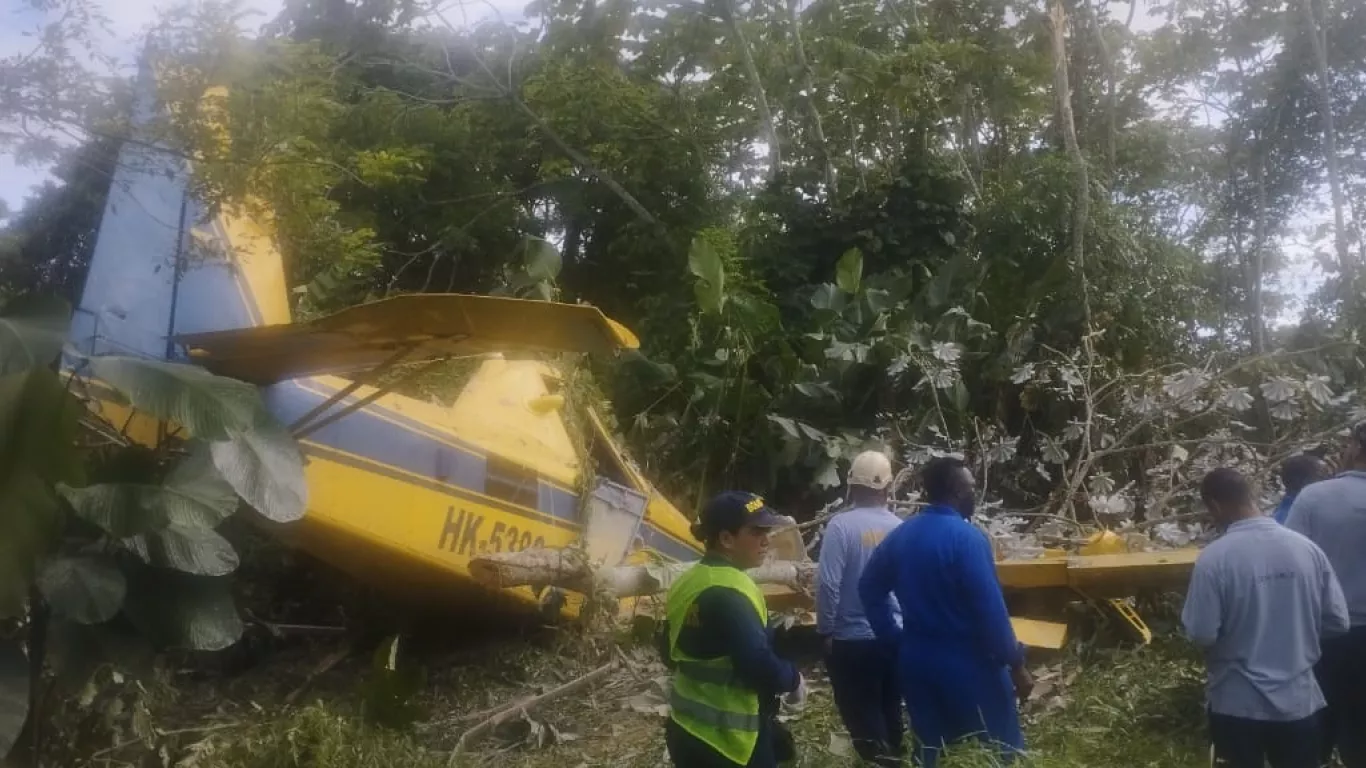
x=464 y=533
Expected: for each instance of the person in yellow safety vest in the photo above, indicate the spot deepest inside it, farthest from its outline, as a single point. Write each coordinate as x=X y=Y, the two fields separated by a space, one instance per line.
x=726 y=677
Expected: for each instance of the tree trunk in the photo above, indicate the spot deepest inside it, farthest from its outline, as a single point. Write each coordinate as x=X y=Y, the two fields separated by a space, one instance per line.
x=756 y=84
x=1081 y=202
x=1330 y=146
x=570 y=569
x=809 y=89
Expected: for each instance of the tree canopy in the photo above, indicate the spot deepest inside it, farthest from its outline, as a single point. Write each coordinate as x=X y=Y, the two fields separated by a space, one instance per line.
x=1023 y=230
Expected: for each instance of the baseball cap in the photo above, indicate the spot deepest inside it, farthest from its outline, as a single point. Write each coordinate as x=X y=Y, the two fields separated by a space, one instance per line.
x=733 y=510
x=871 y=469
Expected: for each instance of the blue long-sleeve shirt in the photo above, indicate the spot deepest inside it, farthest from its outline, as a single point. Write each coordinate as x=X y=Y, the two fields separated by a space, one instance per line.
x=943 y=573
x=848 y=543
x=1282 y=511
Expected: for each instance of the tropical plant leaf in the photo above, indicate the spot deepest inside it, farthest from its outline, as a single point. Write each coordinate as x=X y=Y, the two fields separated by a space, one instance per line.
x=38 y=423
x=120 y=509
x=37 y=427
x=264 y=466
x=87 y=590
x=706 y=265
x=209 y=407
x=183 y=611
x=543 y=260
x=32 y=332
x=196 y=494
x=29 y=517
x=14 y=681
x=186 y=548
x=849 y=271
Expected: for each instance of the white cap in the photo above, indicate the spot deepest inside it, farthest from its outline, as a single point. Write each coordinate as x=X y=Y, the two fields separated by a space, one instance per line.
x=871 y=469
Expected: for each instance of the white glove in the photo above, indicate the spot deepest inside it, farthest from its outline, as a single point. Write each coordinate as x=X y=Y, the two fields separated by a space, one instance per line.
x=796 y=699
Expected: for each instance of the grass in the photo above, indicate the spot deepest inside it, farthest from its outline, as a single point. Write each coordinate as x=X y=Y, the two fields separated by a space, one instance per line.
x=1098 y=709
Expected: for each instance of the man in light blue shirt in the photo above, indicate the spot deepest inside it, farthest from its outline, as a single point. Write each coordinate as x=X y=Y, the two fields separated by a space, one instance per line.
x=1261 y=599
x=1332 y=514
x=862 y=669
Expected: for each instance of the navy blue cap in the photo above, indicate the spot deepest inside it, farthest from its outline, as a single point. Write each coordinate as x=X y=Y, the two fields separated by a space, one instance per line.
x=733 y=510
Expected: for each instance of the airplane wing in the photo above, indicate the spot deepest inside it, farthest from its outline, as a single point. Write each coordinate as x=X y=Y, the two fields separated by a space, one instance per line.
x=427 y=326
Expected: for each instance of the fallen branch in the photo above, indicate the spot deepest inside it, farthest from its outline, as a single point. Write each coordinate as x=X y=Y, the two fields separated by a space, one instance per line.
x=324 y=666
x=570 y=569
x=526 y=705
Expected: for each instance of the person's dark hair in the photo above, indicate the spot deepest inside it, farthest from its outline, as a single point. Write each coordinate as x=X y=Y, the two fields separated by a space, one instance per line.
x=940 y=478
x=705 y=534
x=1300 y=470
x=1227 y=487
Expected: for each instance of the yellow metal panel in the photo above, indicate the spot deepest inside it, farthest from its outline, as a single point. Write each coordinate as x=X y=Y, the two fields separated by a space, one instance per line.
x=428 y=325
x=1029 y=574
x=494 y=411
x=1049 y=635
x=359 y=520
x=251 y=246
x=1120 y=575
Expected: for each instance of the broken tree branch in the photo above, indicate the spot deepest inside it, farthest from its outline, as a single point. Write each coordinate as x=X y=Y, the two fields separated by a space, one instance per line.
x=526 y=705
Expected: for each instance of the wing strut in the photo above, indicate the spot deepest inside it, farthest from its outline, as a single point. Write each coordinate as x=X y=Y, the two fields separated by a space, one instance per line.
x=305 y=431
x=369 y=376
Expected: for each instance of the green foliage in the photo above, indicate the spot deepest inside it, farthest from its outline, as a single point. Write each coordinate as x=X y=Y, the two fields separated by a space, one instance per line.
x=140 y=547
x=86 y=589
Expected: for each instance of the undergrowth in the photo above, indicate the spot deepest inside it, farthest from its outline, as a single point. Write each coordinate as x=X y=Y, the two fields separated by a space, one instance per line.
x=1103 y=709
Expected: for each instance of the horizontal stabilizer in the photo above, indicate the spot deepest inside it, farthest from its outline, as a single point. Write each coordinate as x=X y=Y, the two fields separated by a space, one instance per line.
x=428 y=326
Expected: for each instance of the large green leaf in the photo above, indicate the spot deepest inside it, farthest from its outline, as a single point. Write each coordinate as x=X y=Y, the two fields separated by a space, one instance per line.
x=87 y=590
x=182 y=611
x=186 y=548
x=120 y=509
x=36 y=436
x=38 y=423
x=209 y=407
x=32 y=332
x=29 y=520
x=849 y=270
x=264 y=466
x=543 y=261
x=706 y=265
x=14 y=682
x=194 y=494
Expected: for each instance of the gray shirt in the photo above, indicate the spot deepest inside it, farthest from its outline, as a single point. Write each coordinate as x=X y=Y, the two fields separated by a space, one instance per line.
x=1260 y=598
x=849 y=540
x=1332 y=513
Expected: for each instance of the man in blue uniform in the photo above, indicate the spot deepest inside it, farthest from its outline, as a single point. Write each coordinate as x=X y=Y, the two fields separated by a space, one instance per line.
x=961 y=667
x=1297 y=472
x=726 y=676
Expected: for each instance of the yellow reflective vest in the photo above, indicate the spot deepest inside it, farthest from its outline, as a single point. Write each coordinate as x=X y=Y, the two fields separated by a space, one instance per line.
x=706 y=699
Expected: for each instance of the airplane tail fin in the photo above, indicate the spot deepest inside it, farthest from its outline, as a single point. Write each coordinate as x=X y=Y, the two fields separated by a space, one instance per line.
x=165 y=265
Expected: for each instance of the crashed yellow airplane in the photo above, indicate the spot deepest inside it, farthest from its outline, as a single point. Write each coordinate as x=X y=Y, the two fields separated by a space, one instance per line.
x=403 y=493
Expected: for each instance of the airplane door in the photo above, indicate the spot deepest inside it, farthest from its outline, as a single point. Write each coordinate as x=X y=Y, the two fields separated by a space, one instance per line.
x=613 y=520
